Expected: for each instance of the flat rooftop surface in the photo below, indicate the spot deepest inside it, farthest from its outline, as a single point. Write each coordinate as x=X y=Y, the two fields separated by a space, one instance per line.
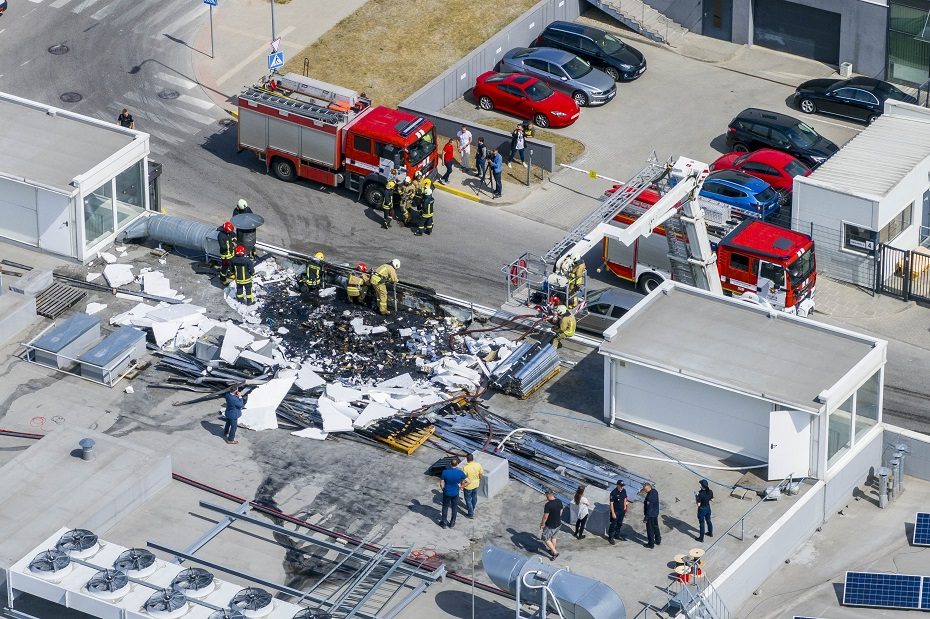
x=775 y=356
x=52 y=150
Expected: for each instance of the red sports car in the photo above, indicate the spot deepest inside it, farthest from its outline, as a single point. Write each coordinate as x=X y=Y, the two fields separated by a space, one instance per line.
x=776 y=168
x=526 y=97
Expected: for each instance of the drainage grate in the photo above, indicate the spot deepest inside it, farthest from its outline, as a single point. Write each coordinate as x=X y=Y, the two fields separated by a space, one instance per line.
x=59 y=49
x=168 y=94
x=71 y=97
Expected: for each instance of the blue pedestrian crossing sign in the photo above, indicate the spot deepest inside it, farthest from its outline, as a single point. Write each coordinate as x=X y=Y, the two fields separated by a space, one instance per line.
x=210 y=2
x=275 y=60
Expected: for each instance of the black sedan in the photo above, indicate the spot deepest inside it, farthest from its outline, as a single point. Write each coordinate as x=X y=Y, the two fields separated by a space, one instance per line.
x=859 y=98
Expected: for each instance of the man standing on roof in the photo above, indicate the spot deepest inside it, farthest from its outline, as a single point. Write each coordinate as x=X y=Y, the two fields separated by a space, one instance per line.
x=234 y=404
x=619 y=503
x=651 y=516
x=243 y=270
x=226 y=237
x=379 y=280
x=357 y=284
x=566 y=325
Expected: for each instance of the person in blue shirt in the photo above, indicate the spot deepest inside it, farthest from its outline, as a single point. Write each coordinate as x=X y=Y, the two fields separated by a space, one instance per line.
x=451 y=481
x=234 y=404
x=497 y=167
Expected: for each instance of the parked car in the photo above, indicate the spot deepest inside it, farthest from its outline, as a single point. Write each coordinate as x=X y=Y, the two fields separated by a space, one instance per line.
x=525 y=96
x=776 y=168
x=605 y=307
x=859 y=98
x=602 y=49
x=753 y=129
x=563 y=71
x=2 y=7
x=746 y=194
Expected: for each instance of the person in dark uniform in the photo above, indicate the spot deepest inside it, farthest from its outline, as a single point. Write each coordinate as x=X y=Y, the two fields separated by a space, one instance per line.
x=243 y=270
x=619 y=503
x=651 y=516
x=242 y=207
x=703 y=498
x=388 y=205
x=227 y=240
x=313 y=275
x=425 y=223
x=125 y=119
x=234 y=404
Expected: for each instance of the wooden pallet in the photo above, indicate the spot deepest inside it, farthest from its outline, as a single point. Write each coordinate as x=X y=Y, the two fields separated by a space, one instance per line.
x=408 y=442
x=548 y=377
x=55 y=299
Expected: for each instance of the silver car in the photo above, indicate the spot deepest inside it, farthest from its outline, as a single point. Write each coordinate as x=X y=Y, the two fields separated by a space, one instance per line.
x=606 y=306
x=563 y=71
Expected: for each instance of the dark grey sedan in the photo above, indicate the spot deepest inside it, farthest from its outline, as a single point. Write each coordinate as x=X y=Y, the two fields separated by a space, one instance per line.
x=563 y=71
x=606 y=306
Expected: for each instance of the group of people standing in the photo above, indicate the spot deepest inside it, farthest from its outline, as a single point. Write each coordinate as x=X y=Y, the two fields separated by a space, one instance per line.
x=409 y=195
x=487 y=160
x=452 y=480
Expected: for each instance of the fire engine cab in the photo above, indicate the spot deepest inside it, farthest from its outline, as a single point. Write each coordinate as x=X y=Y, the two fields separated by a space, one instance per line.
x=305 y=128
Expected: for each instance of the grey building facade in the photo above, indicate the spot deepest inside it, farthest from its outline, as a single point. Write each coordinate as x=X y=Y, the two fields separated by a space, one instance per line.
x=887 y=39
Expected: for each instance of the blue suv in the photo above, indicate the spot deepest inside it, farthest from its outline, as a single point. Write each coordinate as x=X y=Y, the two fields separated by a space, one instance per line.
x=749 y=196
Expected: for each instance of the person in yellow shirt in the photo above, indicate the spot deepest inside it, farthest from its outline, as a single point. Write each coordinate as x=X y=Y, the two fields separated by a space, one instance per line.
x=473 y=473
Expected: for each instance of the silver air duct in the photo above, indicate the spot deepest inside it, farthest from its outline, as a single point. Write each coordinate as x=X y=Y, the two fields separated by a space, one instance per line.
x=175 y=231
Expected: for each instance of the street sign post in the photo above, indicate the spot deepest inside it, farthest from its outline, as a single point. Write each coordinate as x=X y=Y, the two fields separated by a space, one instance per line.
x=275 y=61
x=211 y=4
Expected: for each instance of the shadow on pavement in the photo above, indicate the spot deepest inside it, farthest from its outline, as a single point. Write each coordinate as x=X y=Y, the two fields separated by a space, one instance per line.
x=459 y=604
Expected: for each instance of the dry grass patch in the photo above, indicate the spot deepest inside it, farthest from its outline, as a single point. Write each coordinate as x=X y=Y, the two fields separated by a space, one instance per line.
x=390 y=48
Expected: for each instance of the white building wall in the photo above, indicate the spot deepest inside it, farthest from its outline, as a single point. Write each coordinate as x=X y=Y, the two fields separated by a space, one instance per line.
x=828 y=207
x=652 y=401
x=908 y=193
x=18 y=211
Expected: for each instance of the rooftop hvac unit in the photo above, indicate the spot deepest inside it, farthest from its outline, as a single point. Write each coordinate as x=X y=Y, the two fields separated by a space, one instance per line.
x=167 y=604
x=194 y=582
x=136 y=562
x=252 y=602
x=226 y=613
x=108 y=584
x=51 y=565
x=309 y=613
x=78 y=544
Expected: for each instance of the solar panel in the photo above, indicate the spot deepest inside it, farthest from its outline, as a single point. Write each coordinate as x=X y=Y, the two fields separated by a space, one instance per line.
x=879 y=590
x=921 y=535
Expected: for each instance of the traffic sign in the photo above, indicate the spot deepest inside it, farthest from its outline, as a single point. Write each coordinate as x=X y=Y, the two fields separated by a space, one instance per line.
x=210 y=2
x=275 y=60
x=275 y=45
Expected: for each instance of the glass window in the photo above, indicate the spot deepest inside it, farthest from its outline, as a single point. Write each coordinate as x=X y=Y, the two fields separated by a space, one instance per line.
x=845 y=93
x=739 y=262
x=866 y=97
x=898 y=224
x=796 y=168
x=617 y=312
x=760 y=168
x=361 y=143
x=760 y=130
x=610 y=44
x=858 y=238
x=773 y=272
x=538 y=91
x=98 y=214
x=839 y=431
x=576 y=68
x=130 y=200
x=588 y=46
x=867 y=410
x=908 y=51
x=600 y=308
x=539 y=65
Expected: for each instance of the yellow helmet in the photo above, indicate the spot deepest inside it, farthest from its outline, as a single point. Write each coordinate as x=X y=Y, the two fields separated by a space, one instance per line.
x=319 y=255
x=427 y=183
x=391 y=184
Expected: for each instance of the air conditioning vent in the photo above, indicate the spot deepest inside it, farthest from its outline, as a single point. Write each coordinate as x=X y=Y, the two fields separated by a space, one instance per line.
x=226 y=613
x=79 y=543
x=108 y=584
x=136 y=562
x=194 y=582
x=252 y=602
x=52 y=564
x=166 y=604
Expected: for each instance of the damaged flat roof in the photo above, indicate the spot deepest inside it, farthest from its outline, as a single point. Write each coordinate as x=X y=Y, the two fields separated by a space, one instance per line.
x=736 y=345
x=52 y=149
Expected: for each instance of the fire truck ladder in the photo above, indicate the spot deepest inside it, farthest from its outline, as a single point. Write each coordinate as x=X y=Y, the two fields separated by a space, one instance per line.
x=316 y=112
x=678 y=252
x=608 y=209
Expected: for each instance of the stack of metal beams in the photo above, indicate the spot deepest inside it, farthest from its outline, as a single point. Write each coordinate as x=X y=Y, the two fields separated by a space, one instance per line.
x=526 y=369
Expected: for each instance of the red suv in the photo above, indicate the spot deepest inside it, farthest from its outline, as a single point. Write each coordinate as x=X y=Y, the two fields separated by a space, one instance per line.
x=776 y=168
x=526 y=97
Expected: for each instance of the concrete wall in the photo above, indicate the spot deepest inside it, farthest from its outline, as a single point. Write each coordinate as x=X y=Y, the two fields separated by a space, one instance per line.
x=688 y=13
x=917 y=463
x=651 y=401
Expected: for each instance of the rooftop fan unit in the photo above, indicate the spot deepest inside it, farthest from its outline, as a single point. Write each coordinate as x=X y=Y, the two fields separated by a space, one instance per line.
x=194 y=582
x=136 y=563
x=51 y=565
x=79 y=543
x=108 y=585
x=252 y=602
x=309 y=613
x=166 y=604
x=226 y=613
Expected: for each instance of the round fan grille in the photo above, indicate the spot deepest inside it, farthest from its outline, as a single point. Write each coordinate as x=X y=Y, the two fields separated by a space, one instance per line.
x=165 y=602
x=135 y=561
x=78 y=543
x=309 y=613
x=251 y=598
x=107 y=581
x=226 y=613
x=49 y=561
x=194 y=582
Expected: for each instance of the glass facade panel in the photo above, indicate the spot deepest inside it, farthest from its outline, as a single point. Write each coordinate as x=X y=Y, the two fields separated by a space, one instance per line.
x=839 y=431
x=98 y=214
x=130 y=193
x=867 y=402
x=908 y=47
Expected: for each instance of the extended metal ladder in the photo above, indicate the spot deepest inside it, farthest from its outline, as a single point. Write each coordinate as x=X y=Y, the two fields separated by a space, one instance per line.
x=316 y=112
x=609 y=209
x=678 y=253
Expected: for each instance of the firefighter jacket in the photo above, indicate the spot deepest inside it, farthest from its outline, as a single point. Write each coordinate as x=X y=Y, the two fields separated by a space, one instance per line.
x=241 y=211
x=227 y=241
x=567 y=326
x=243 y=269
x=355 y=282
x=407 y=192
x=426 y=207
x=383 y=273
x=313 y=276
x=388 y=199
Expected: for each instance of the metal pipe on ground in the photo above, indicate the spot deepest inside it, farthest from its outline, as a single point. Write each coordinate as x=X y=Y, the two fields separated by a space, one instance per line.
x=174 y=231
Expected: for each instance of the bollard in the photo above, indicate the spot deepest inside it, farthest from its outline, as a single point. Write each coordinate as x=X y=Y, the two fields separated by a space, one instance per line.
x=529 y=167
x=883 y=473
x=87 y=449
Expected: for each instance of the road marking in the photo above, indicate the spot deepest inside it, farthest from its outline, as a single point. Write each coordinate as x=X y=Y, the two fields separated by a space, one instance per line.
x=166 y=137
x=105 y=10
x=204 y=120
x=36 y=1
x=132 y=13
x=184 y=83
x=835 y=124
x=86 y=4
x=204 y=105
x=168 y=108
x=57 y=4
x=25 y=63
x=263 y=50
x=181 y=21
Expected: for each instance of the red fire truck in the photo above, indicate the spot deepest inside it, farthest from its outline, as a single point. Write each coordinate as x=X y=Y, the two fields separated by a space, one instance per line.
x=304 y=128
x=753 y=257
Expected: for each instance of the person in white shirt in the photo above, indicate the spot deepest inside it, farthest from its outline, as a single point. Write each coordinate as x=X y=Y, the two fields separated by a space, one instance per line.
x=580 y=509
x=464 y=136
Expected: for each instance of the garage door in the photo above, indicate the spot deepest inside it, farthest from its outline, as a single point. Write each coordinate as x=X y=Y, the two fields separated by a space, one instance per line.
x=797 y=29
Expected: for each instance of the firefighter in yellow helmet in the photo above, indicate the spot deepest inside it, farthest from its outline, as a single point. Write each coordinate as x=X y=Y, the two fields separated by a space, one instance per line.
x=576 y=281
x=357 y=284
x=425 y=223
x=313 y=274
x=383 y=274
x=565 y=319
x=407 y=193
x=243 y=270
x=388 y=205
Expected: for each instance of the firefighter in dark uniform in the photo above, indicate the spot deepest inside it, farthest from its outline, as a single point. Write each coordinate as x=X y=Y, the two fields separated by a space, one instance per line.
x=243 y=270
x=425 y=223
x=242 y=207
x=388 y=205
x=227 y=240
x=313 y=275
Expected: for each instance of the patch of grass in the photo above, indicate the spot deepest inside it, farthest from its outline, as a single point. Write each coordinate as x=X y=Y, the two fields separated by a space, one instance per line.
x=390 y=48
x=566 y=149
